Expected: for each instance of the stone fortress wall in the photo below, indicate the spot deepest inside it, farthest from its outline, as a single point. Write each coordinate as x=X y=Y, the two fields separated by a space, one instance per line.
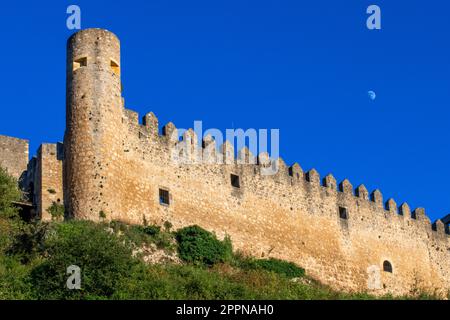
x=116 y=166
x=292 y=215
x=14 y=155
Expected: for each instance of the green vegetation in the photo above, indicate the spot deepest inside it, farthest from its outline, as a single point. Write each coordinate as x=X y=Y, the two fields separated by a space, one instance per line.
x=10 y=225
x=138 y=236
x=200 y=247
x=167 y=226
x=151 y=230
x=110 y=271
x=285 y=268
x=56 y=210
x=105 y=262
x=34 y=259
x=102 y=214
x=9 y=193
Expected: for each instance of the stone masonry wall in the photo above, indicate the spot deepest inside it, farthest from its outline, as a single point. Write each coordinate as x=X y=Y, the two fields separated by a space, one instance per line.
x=50 y=179
x=292 y=215
x=13 y=155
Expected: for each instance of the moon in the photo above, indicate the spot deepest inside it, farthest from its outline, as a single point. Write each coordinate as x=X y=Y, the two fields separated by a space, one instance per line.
x=372 y=95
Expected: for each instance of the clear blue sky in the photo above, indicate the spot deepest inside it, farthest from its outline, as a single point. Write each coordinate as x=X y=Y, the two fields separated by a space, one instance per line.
x=304 y=67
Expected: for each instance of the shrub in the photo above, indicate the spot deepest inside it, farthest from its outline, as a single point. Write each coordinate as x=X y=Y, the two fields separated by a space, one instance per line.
x=151 y=230
x=198 y=246
x=10 y=229
x=56 y=210
x=102 y=214
x=153 y=234
x=288 y=269
x=167 y=226
x=118 y=226
x=10 y=223
x=29 y=242
x=9 y=192
x=104 y=262
x=135 y=235
x=14 y=282
x=165 y=240
x=148 y=282
x=6 y=234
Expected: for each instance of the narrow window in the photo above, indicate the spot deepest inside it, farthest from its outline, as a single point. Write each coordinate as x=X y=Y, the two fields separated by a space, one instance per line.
x=115 y=67
x=343 y=214
x=78 y=63
x=164 y=198
x=387 y=266
x=293 y=174
x=235 y=181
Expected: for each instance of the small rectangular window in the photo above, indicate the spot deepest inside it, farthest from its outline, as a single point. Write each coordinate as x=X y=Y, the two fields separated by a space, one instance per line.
x=235 y=181
x=80 y=62
x=115 y=67
x=164 y=197
x=343 y=214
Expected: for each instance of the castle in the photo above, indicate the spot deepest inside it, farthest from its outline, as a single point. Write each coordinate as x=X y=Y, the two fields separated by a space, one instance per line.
x=112 y=167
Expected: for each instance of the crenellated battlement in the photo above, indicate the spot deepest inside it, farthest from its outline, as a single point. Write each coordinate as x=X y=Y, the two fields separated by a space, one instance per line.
x=208 y=153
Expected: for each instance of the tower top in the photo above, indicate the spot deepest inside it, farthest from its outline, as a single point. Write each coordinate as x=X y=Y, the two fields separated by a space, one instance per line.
x=92 y=31
x=97 y=49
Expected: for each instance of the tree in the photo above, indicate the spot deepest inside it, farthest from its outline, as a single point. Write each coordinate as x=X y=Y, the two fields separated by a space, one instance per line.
x=9 y=192
x=56 y=210
x=104 y=261
x=9 y=224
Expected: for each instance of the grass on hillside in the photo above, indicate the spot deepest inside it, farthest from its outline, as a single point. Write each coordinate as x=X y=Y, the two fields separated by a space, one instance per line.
x=34 y=267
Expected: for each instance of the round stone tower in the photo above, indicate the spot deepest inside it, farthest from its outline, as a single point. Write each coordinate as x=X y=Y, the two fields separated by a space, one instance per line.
x=93 y=122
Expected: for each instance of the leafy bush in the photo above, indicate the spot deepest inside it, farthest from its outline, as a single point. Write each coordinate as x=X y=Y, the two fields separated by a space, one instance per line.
x=102 y=214
x=10 y=223
x=167 y=226
x=136 y=235
x=151 y=230
x=104 y=262
x=9 y=230
x=181 y=282
x=198 y=246
x=148 y=282
x=56 y=210
x=288 y=269
x=14 y=282
x=9 y=192
x=118 y=226
x=29 y=242
x=6 y=236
